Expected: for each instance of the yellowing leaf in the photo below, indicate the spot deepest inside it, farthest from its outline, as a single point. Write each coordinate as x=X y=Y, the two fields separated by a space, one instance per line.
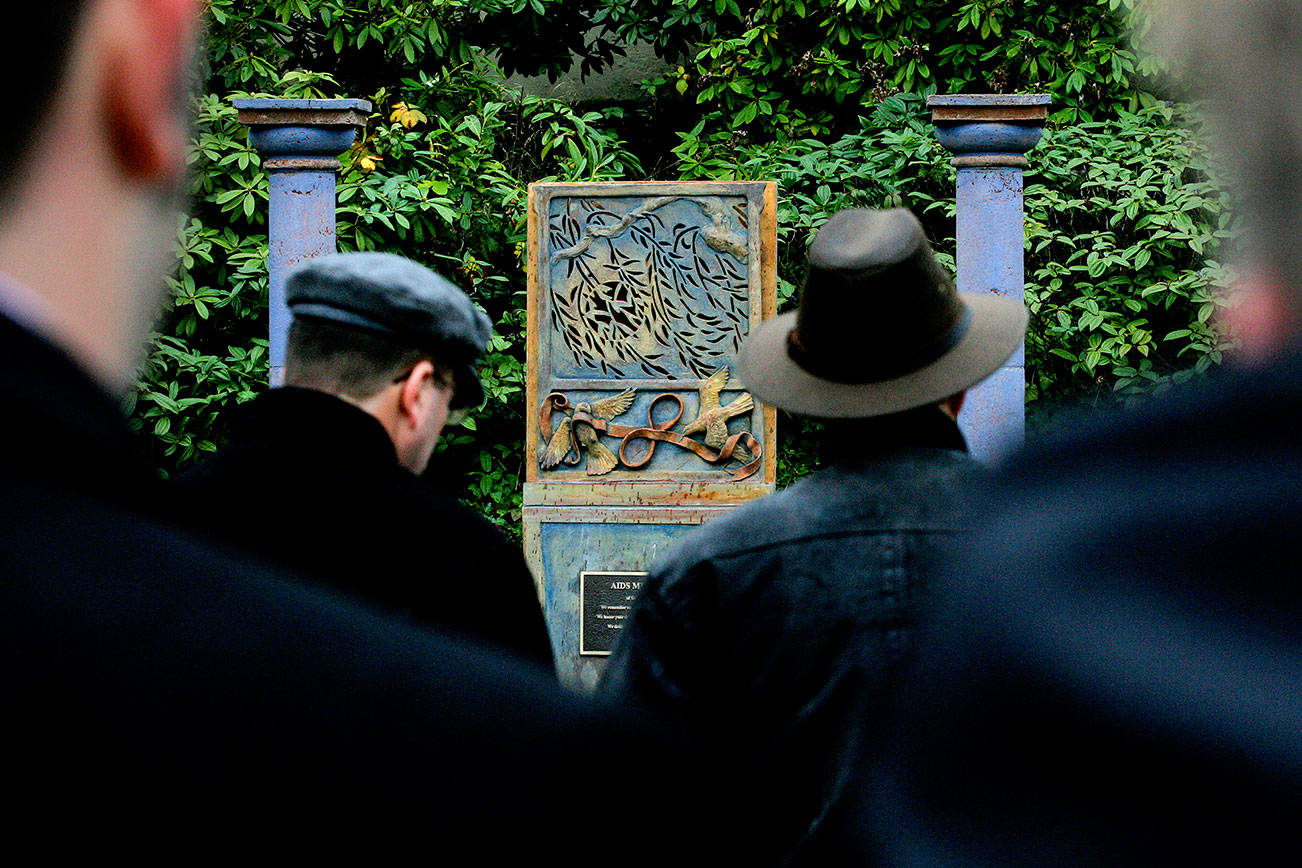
x=406 y=115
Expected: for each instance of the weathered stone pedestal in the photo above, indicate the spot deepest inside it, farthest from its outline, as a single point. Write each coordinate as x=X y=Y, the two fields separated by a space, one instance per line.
x=989 y=136
x=639 y=295
x=300 y=141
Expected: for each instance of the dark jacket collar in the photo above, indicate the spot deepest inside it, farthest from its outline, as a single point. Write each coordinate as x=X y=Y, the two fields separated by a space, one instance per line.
x=61 y=425
x=314 y=425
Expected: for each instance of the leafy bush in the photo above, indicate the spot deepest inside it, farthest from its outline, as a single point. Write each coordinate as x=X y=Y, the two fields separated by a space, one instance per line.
x=805 y=65
x=1122 y=232
x=1123 y=228
x=825 y=96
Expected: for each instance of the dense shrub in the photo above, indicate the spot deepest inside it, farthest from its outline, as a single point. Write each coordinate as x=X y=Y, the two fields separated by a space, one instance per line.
x=758 y=68
x=439 y=176
x=1122 y=226
x=825 y=96
x=1123 y=231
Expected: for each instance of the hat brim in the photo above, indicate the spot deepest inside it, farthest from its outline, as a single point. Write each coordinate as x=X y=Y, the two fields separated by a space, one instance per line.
x=995 y=331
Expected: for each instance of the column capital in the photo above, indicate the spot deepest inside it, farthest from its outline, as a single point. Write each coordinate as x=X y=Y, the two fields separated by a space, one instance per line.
x=302 y=134
x=989 y=130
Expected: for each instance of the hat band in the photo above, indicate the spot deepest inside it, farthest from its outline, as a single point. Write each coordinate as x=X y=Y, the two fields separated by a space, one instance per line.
x=886 y=369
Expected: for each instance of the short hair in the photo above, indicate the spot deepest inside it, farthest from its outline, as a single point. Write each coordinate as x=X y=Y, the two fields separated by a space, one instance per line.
x=344 y=360
x=52 y=25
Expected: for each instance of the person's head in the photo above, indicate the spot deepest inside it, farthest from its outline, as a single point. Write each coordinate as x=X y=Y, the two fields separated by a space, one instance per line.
x=880 y=330
x=93 y=169
x=406 y=389
x=390 y=336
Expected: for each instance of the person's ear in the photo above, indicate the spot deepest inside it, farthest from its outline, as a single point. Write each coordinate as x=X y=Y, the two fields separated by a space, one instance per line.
x=953 y=405
x=150 y=55
x=413 y=395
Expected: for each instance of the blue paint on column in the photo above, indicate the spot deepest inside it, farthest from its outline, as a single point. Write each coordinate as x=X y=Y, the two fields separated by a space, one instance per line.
x=299 y=141
x=989 y=134
x=988 y=138
x=301 y=225
x=989 y=260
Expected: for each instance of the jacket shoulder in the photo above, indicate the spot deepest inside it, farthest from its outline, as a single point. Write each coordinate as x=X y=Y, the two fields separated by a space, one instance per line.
x=921 y=490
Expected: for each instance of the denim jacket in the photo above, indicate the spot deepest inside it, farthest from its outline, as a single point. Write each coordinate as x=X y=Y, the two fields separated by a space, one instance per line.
x=779 y=631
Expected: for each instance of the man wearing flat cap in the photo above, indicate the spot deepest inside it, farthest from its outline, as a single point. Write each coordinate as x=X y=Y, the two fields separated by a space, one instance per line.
x=783 y=627
x=381 y=353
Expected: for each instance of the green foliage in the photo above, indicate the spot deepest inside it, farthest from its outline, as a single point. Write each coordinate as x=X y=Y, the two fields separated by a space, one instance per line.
x=1122 y=224
x=807 y=65
x=210 y=353
x=361 y=42
x=1123 y=228
x=824 y=96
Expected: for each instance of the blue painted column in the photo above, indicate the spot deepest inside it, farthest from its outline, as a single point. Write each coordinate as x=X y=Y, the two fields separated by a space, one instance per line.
x=300 y=141
x=989 y=135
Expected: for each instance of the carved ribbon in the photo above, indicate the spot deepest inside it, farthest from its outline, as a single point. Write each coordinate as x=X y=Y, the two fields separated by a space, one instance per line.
x=556 y=401
x=653 y=432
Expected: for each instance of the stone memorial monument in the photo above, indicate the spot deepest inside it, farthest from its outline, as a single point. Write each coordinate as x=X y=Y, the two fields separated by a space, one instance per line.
x=639 y=295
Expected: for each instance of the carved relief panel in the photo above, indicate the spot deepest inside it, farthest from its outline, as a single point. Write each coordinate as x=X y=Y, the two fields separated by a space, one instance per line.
x=640 y=294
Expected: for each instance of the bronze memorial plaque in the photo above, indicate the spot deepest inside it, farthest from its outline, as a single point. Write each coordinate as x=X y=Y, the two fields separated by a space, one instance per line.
x=605 y=601
x=640 y=294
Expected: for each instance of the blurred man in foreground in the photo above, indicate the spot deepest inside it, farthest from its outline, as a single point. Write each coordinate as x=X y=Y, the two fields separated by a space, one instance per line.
x=160 y=697
x=1114 y=677
x=381 y=350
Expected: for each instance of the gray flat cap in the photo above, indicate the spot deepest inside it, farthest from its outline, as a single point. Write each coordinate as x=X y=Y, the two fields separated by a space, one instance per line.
x=386 y=293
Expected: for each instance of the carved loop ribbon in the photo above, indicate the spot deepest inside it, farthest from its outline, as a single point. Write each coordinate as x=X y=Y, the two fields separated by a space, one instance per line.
x=653 y=432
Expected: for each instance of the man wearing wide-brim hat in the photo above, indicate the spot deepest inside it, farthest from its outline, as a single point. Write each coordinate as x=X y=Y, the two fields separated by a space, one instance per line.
x=381 y=353
x=783 y=627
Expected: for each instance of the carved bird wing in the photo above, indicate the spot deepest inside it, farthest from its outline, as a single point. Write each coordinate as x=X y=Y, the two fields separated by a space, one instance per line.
x=609 y=408
x=710 y=390
x=716 y=430
x=558 y=447
x=744 y=404
x=716 y=434
x=742 y=454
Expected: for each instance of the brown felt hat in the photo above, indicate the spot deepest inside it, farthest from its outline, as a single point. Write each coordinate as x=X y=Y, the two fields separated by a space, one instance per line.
x=880 y=328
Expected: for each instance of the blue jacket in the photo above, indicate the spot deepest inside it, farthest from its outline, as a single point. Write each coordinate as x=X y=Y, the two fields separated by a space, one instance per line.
x=781 y=629
x=1113 y=676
